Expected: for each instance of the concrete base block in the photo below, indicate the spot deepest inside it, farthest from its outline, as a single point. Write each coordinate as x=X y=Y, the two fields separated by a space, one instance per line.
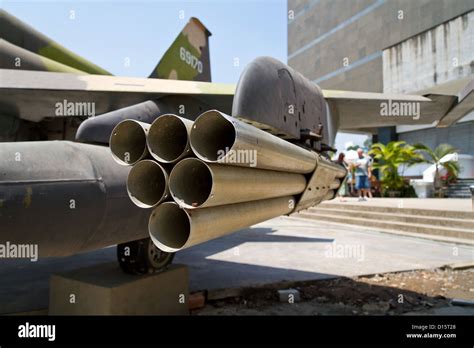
x=105 y=290
x=289 y=295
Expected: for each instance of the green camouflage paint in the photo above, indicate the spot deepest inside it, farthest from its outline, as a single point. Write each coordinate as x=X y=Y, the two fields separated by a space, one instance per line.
x=172 y=66
x=188 y=56
x=60 y=54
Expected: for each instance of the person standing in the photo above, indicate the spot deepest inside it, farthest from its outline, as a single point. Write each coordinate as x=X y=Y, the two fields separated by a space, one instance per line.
x=371 y=176
x=343 y=188
x=363 y=173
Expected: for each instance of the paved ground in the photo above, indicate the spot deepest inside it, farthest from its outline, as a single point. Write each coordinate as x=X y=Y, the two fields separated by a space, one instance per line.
x=455 y=204
x=276 y=250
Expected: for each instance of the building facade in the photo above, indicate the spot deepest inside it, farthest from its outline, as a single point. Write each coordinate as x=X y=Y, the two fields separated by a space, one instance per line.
x=398 y=46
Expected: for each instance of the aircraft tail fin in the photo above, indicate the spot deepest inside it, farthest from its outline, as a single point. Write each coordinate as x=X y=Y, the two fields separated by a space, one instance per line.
x=188 y=56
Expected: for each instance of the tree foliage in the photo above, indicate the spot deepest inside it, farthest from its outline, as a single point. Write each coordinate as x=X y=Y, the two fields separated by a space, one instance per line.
x=388 y=159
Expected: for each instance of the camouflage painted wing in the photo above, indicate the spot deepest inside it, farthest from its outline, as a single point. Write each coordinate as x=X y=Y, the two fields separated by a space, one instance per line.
x=24 y=48
x=42 y=50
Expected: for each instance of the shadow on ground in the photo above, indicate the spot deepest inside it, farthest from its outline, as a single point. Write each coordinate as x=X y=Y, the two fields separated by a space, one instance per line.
x=24 y=285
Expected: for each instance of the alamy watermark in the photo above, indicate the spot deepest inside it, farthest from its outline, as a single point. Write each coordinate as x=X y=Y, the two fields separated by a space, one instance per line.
x=229 y=156
x=28 y=330
x=67 y=108
x=19 y=251
x=345 y=251
x=400 y=109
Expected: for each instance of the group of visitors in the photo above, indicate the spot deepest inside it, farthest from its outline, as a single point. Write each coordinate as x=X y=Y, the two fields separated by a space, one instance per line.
x=362 y=170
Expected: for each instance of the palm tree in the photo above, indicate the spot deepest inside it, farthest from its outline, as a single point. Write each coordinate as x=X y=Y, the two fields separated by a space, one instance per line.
x=388 y=158
x=435 y=156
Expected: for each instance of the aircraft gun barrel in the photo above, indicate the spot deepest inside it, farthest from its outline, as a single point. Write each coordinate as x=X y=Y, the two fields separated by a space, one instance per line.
x=147 y=184
x=219 y=138
x=173 y=228
x=216 y=193
x=128 y=142
x=197 y=184
x=168 y=138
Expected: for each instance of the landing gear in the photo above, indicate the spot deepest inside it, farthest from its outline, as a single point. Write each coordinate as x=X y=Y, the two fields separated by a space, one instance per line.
x=142 y=257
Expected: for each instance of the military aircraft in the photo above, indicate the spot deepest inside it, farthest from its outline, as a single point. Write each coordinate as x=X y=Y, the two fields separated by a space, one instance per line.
x=69 y=196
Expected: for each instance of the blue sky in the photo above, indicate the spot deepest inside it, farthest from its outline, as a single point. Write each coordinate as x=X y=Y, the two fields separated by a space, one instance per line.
x=107 y=33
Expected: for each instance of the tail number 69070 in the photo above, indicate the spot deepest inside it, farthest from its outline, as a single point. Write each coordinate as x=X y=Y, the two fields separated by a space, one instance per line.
x=190 y=59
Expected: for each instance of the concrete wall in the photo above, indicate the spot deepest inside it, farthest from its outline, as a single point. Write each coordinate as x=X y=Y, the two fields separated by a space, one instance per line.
x=324 y=33
x=441 y=54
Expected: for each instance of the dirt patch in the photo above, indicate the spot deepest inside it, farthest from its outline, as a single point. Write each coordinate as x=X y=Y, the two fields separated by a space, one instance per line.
x=382 y=294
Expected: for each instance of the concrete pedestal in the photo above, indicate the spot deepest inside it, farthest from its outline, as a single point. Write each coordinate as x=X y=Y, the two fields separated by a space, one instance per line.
x=105 y=290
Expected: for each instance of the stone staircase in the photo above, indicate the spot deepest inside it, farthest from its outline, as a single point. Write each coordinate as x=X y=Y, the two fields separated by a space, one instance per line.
x=460 y=189
x=441 y=225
